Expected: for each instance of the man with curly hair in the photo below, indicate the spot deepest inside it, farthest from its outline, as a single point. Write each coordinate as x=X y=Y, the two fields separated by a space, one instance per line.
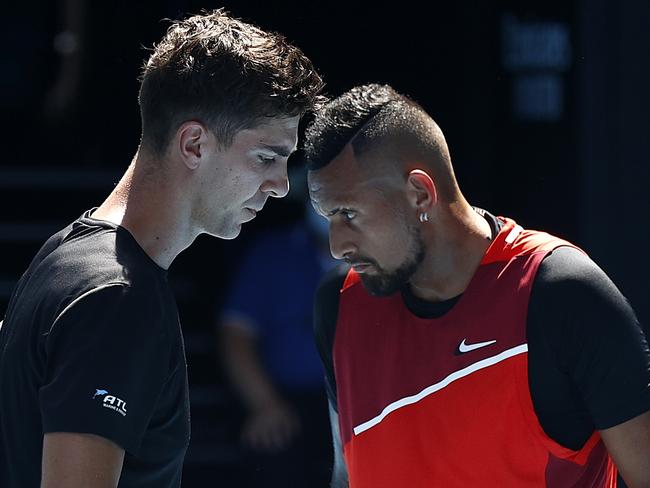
x=93 y=381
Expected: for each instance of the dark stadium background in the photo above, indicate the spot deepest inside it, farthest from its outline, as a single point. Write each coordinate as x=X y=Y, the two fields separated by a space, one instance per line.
x=545 y=105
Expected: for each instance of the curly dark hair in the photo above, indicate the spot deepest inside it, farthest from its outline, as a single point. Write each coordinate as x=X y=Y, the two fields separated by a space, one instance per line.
x=225 y=73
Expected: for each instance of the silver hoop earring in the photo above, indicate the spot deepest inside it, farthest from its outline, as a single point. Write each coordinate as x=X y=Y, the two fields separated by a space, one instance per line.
x=424 y=217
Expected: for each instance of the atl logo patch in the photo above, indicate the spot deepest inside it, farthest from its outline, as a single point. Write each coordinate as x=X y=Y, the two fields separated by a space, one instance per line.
x=111 y=401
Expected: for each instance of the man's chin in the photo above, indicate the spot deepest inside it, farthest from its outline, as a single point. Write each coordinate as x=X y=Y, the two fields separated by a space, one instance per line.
x=227 y=234
x=378 y=286
x=234 y=232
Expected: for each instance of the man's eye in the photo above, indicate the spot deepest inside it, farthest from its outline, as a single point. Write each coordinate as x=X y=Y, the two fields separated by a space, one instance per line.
x=349 y=215
x=266 y=159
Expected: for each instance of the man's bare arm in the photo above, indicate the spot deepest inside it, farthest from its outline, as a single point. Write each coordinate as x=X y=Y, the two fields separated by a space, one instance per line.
x=629 y=446
x=340 y=471
x=74 y=460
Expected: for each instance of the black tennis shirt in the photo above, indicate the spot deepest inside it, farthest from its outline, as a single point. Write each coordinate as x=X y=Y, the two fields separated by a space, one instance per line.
x=91 y=344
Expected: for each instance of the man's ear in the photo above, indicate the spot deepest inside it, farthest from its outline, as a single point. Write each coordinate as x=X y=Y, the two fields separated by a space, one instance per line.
x=422 y=190
x=191 y=141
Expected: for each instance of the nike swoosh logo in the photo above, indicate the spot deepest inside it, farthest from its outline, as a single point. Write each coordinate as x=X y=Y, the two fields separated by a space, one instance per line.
x=464 y=347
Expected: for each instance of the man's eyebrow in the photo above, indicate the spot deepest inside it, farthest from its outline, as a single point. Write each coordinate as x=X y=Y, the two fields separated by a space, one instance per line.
x=283 y=151
x=336 y=210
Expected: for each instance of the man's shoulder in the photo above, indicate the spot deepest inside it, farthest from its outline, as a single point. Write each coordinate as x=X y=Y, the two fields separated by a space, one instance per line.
x=566 y=269
x=87 y=264
x=87 y=255
x=131 y=310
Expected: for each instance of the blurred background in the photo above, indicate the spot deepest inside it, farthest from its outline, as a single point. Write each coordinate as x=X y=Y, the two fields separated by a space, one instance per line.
x=545 y=106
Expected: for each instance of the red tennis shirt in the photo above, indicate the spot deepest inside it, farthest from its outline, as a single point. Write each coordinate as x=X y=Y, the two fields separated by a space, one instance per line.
x=445 y=402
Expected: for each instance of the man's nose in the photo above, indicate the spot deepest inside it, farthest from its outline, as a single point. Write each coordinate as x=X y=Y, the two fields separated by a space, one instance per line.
x=277 y=185
x=341 y=243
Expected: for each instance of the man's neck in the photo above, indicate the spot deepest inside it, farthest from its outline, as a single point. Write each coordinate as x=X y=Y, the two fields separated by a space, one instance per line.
x=453 y=257
x=152 y=209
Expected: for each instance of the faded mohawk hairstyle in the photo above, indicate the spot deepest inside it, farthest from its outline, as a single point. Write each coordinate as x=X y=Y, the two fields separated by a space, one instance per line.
x=376 y=116
x=341 y=120
x=223 y=72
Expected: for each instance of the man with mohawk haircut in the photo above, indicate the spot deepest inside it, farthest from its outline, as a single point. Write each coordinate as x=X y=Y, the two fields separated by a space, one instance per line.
x=460 y=349
x=93 y=381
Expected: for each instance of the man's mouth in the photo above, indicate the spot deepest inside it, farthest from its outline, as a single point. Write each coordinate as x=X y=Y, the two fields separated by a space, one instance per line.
x=361 y=267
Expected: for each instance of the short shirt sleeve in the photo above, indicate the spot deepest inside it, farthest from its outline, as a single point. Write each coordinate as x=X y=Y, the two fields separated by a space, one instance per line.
x=595 y=342
x=107 y=359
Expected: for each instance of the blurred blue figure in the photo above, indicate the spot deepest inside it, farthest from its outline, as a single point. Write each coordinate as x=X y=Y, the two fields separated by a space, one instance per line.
x=270 y=357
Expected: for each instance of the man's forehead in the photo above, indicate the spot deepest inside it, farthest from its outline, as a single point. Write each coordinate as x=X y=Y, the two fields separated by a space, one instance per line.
x=328 y=194
x=336 y=172
x=347 y=179
x=323 y=184
x=323 y=193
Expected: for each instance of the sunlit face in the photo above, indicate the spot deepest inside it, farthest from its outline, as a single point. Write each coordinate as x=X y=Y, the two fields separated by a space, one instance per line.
x=370 y=222
x=235 y=184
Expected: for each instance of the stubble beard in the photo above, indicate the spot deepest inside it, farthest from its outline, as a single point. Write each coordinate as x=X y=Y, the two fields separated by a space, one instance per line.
x=384 y=283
